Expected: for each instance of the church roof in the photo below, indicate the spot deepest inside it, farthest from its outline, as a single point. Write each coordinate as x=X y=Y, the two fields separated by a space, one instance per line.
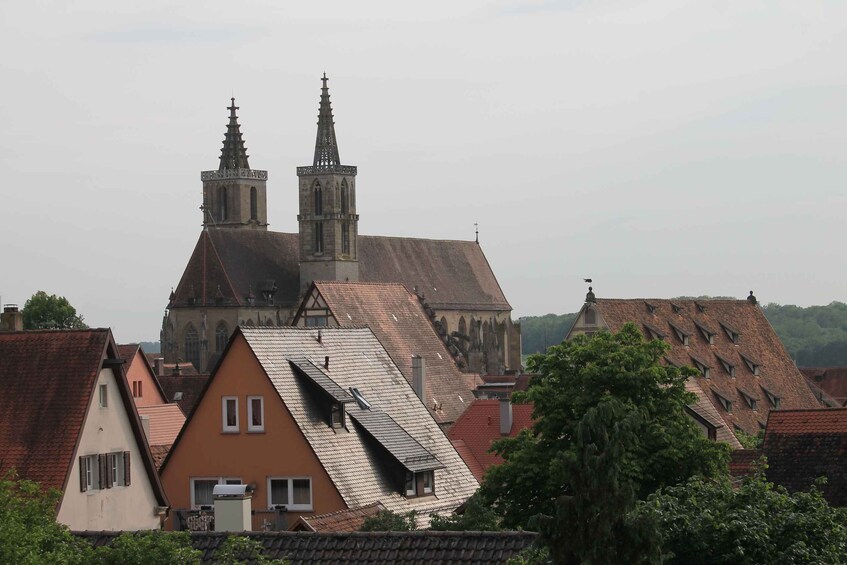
x=233 y=154
x=452 y=275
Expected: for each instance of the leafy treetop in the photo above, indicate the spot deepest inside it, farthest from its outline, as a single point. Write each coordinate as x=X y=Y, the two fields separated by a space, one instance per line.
x=47 y=311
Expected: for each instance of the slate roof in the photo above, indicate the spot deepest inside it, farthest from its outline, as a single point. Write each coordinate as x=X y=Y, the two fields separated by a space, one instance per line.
x=802 y=445
x=479 y=426
x=365 y=548
x=828 y=383
x=399 y=321
x=348 y=520
x=355 y=465
x=191 y=386
x=757 y=342
x=451 y=274
x=47 y=379
x=166 y=421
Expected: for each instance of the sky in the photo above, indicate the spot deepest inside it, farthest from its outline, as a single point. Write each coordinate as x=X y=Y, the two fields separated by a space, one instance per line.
x=660 y=147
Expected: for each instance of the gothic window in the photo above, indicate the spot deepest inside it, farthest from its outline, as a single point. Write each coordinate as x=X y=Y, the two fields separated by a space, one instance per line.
x=254 y=204
x=317 y=193
x=444 y=325
x=463 y=328
x=221 y=336
x=222 y=203
x=319 y=237
x=345 y=201
x=192 y=346
x=345 y=238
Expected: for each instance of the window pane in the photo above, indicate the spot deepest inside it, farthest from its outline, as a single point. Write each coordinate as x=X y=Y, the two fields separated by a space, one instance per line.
x=203 y=491
x=232 y=482
x=231 y=412
x=301 y=491
x=257 y=411
x=279 y=491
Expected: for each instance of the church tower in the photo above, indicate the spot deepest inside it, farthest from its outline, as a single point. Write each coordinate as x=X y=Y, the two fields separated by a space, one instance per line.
x=328 y=220
x=234 y=196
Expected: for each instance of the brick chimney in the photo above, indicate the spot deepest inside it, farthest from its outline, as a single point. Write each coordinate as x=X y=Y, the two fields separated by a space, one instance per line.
x=11 y=320
x=419 y=376
x=505 y=416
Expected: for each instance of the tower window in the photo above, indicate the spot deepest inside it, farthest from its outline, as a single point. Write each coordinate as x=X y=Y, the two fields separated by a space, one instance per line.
x=319 y=200
x=192 y=346
x=221 y=335
x=319 y=237
x=254 y=204
x=222 y=203
x=345 y=238
x=345 y=201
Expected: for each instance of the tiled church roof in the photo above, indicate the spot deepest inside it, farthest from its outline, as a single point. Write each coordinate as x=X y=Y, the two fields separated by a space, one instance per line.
x=450 y=274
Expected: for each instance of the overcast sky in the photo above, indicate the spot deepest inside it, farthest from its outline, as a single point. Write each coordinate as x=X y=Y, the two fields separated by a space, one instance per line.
x=662 y=147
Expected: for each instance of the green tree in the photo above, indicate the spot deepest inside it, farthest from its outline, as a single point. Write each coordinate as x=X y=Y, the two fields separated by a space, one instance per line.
x=477 y=517
x=29 y=533
x=238 y=550
x=149 y=548
x=388 y=521
x=47 y=311
x=710 y=522
x=580 y=383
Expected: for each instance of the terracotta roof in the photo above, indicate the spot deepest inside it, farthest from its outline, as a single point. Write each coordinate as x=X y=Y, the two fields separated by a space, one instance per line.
x=365 y=548
x=349 y=520
x=704 y=408
x=357 y=465
x=757 y=344
x=479 y=426
x=399 y=321
x=802 y=445
x=166 y=421
x=191 y=386
x=451 y=274
x=159 y=453
x=470 y=459
x=831 y=382
x=742 y=461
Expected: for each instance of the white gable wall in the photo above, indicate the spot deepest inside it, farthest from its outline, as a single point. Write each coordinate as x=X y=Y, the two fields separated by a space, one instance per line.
x=130 y=507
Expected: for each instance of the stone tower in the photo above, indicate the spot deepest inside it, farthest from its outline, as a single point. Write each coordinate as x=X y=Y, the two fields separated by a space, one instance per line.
x=328 y=220
x=234 y=196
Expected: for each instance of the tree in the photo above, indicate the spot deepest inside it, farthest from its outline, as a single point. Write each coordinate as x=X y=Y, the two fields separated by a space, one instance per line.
x=710 y=522
x=605 y=403
x=44 y=312
x=29 y=533
x=237 y=550
x=149 y=548
x=388 y=521
x=477 y=517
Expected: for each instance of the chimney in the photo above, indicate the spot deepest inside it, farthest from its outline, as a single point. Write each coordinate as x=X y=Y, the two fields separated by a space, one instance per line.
x=11 y=320
x=505 y=416
x=326 y=362
x=419 y=376
x=159 y=366
x=176 y=371
x=233 y=508
x=145 y=424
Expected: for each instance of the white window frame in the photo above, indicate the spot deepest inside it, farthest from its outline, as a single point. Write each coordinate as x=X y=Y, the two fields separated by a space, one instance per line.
x=103 y=391
x=291 y=506
x=250 y=426
x=414 y=490
x=218 y=480
x=92 y=470
x=224 y=427
x=431 y=488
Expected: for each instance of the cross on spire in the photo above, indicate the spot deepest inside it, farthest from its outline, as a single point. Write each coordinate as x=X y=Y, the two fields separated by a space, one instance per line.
x=233 y=154
x=326 y=147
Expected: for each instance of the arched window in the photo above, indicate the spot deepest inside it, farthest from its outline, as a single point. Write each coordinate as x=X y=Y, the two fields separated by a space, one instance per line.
x=319 y=237
x=192 y=346
x=463 y=328
x=317 y=195
x=345 y=200
x=590 y=317
x=269 y=322
x=222 y=203
x=221 y=337
x=345 y=237
x=254 y=204
x=444 y=325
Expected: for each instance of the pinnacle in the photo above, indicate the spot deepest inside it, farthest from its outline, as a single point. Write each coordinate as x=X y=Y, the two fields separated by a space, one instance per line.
x=233 y=154
x=326 y=146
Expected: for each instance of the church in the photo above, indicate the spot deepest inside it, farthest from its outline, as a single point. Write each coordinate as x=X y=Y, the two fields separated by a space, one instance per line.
x=241 y=273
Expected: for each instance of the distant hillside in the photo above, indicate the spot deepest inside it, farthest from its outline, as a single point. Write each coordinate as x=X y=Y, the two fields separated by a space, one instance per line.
x=150 y=346
x=814 y=336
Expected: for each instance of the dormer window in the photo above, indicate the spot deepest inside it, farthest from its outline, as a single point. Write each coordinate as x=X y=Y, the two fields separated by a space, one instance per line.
x=651 y=308
x=772 y=398
x=725 y=402
x=654 y=332
x=360 y=398
x=751 y=364
x=751 y=400
x=337 y=419
x=708 y=334
x=681 y=334
x=733 y=334
x=701 y=366
x=700 y=307
x=676 y=308
x=421 y=483
x=727 y=366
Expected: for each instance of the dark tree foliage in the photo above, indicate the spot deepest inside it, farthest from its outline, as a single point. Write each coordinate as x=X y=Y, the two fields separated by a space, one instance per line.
x=50 y=312
x=149 y=548
x=540 y=332
x=710 y=522
x=581 y=384
x=477 y=517
x=388 y=521
x=238 y=550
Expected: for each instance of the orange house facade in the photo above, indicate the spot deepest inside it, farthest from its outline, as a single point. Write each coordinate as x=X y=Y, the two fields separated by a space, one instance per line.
x=211 y=449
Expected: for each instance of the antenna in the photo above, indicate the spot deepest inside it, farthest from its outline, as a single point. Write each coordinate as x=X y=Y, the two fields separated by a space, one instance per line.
x=476 y=229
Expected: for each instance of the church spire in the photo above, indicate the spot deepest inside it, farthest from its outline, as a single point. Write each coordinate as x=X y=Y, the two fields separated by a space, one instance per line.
x=233 y=154
x=326 y=147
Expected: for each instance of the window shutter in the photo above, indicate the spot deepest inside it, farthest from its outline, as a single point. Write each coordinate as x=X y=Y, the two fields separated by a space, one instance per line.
x=109 y=483
x=83 y=484
x=102 y=464
x=126 y=468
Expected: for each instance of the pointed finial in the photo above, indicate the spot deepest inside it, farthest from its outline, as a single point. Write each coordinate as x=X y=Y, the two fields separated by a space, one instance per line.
x=326 y=147
x=233 y=154
x=752 y=299
x=589 y=297
x=476 y=228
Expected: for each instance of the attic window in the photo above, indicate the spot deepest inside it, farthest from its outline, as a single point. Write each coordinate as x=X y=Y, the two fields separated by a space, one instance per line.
x=727 y=366
x=654 y=332
x=700 y=307
x=701 y=366
x=178 y=396
x=725 y=402
x=708 y=334
x=749 y=399
x=772 y=398
x=360 y=399
x=752 y=365
x=651 y=308
x=681 y=334
x=733 y=334
x=421 y=483
x=676 y=308
x=337 y=416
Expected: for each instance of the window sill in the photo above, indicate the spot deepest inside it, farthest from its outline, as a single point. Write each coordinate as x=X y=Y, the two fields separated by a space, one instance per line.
x=231 y=432
x=256 y=431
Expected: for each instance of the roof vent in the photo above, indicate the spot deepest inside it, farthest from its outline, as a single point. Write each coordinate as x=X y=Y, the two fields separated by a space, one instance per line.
x=752 y=299
x=320 y=337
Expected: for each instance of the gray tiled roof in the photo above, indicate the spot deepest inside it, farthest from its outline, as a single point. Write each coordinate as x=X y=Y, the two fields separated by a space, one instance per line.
x=357 y=469
x=403 y=447
x=318 y=377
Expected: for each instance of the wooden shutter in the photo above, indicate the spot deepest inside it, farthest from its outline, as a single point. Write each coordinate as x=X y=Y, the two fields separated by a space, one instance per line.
x=109 y=483
x=126 y=469
x=103 y=468
x=83 y=483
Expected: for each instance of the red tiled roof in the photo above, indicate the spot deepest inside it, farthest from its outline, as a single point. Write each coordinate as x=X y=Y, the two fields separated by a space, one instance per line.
x=348 y=520
x=757 y=342
x=191 y=386
x=47 y=380
x=451 y=274
x=802 y=445
x=470 y=460
x=159 y=452
x=831 y=380
x=479 y=426
x=166 y=420
x=742 y=461
x=400 y=323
